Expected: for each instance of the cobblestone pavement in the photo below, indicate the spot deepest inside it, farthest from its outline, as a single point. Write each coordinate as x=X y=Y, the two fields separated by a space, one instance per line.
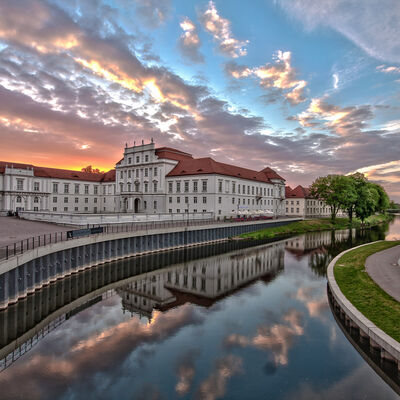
x=13 y=229
x=382 y=267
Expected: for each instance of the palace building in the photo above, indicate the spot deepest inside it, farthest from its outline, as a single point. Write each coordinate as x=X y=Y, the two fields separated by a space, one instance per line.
x=147 y=180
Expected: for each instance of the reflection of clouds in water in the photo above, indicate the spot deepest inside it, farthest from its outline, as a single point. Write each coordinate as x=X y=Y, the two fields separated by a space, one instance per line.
x=359 y=384
x=215 y=385
x=47 y=376
x=185 y=371
x=316 y=305
x=277 y=338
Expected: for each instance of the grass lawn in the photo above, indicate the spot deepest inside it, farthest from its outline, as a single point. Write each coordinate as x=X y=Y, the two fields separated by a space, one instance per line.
x=364 y=293
x=312 y=225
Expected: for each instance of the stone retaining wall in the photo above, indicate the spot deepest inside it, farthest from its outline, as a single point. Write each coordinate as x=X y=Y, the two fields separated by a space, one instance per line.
x=378 y=339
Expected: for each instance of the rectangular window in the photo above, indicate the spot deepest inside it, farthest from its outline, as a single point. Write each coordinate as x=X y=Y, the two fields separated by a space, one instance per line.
x=146 y=158
x=65 y=208
x=233 y=187
x=65 y=199
x=155 y=186
x=146 y=187
x=86 y=200
x=233 y=200
x=178 y=210
x=155 y=171
x=204 y=200
x=95 y=200
x=195 y=200
x=195 y=183
x=54 y=208
x=96 y=190
x=55 y=187
x=178 y=187
x=76 y=199
x=186 y=186
x=204 y=183
x=145 y=205
x=137 y=173
x=239 y=189
x=186 y=210
x=76 y=188
x=195 y=211
x=54 y=199
x=129 y=160
x=66 y=187
x=186 y=200
x=248 y=189
x=252 y=190
x=219 y=186
x=86 y=208
x=86 y=189
x=170 y=210
x=219 y=200
x=178 y=200
x=169 y=187
x=146 y=172
x=137 y=159
x=155 y=205
x=170 y=200
x=36 y=186
x=35 y=208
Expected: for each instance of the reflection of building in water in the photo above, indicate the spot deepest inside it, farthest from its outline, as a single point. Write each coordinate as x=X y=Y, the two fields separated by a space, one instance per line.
x=201 y=281
x=313 y=240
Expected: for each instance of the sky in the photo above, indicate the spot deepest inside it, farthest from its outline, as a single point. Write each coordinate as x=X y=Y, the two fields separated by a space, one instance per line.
x=307 y=87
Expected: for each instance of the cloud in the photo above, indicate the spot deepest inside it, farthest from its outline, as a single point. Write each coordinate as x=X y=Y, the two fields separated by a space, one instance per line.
x=185 y=372
x=153 y=12
x=215 y=385
x=374 y=26
x=220 y=29
x=280 y=75
x=189 y=41
x=388 y=69
x=339 y=120
x=102 y=352
x=277 y=338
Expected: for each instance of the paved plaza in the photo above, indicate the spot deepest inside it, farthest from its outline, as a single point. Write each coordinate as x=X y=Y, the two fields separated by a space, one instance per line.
x=13 y=229
x=383 y=268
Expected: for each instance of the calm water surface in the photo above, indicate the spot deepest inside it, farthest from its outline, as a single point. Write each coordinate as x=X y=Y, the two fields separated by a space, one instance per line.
x=250 y=323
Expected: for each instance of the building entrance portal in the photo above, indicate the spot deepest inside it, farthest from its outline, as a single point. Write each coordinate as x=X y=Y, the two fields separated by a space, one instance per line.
x=136 y=205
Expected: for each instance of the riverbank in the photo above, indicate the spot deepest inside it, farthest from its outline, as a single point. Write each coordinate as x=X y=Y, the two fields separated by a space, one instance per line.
x=314 y=225
x=364 y=294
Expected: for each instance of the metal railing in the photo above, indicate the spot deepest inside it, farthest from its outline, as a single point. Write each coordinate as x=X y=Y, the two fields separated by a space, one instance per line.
x=24 y=245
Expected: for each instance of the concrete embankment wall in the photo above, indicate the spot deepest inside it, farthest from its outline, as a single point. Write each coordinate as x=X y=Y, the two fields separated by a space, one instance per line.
x=388 y=347
x=33 y=269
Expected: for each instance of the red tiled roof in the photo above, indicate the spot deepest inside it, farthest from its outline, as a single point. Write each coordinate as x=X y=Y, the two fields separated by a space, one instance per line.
x=200 y=166
x=271 y=174
x=288 y=190
x=299 y=192
x=57 y=173
x=172 y=154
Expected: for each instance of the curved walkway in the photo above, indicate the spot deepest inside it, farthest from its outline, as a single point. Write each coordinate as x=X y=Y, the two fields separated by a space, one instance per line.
x=383 y=268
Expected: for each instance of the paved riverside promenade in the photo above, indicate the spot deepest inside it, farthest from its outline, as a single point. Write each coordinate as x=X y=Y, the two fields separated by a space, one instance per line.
x=13 y=229
x=383 y=268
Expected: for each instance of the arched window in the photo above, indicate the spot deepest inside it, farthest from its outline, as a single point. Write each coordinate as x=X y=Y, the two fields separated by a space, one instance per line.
x=36 y=200
x=19 y=199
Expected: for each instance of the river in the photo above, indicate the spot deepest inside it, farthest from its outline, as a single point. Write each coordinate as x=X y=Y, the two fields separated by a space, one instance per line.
x=233 y=321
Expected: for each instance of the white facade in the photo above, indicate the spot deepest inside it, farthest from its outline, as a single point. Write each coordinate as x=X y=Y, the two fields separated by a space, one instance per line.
x=146 y=181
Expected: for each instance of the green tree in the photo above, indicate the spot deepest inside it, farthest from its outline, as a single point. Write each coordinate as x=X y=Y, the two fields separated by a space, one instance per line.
x=349 y=197
x=383 y=198
x=367 y=202
x=337 y=191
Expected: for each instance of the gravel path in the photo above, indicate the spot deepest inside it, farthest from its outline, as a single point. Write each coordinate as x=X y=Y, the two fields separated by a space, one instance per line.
x=382 y=267
x=13 y=229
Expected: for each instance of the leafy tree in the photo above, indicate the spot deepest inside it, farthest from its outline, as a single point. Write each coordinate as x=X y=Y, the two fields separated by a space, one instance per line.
x=92 y=170
x=393 y=205
x=349 y=198
x=383 y=198
x=368 y=200
x=337 y=191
